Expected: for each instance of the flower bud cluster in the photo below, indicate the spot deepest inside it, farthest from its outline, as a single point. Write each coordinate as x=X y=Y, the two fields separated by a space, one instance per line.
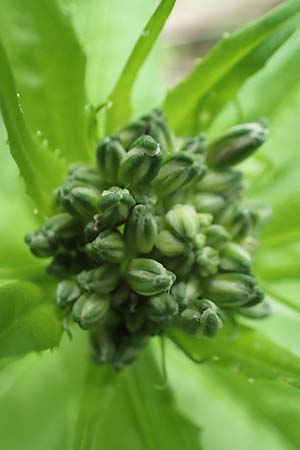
x=155 y=236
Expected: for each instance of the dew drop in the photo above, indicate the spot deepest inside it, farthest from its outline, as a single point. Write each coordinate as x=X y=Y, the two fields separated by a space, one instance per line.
x=35 y=211
x=251 y=380
x=38 y=133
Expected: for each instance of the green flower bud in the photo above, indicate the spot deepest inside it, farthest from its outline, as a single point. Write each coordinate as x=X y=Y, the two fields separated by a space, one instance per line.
x=204 y=320
x=133 y=131
x=208 y=261
x=62 y=227
x=110 y=153
x=142 y=162
x=195 y=145
x=220 y=182
x=102 y=280
x=236 y=144
x=182 y=264
x=40 y=245
x=216 y=236
x=141 y=229
x=162 y=307
x=67 y=292
x=148 y=277
x=104 y=348
x=186 y=291
x=85 y=175
x=260 y=311
x=108 y=246
x=182 y=221
x=93 y=228
x=178 y=171
x=199 y=241
x=134 y=319
x=168 y=244
x=234 y=258
x=115 y=205
x=204 y=221
x=68 y=263
x=208 y=203
x=85 y=200
x=243 y=222
x=233 y=289
x=88 y=310
x=159 y=130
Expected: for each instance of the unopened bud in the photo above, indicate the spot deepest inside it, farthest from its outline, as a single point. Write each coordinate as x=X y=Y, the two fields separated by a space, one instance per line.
x=182 y=221
x=67 y=292
x=102 y=280
x=142 y=162
x=233 y=289
x=208 y=203
x=85 y=175
x=110 y=153
x=148 y=277
x=141 y=229
x=108 y=246
x=115 y=205
x=88 y=310
x=85 y=200
x=202 y=319
x=40 y=245
x=182 y=264
x=234 y=258
x=62 y=227
x=168 y=244
x=220 y=182
x=195 y=145
x=162 y=307
x=207 y=261
x=216 y=236
x=133 y=131
x=236 y=144
x=178 y=171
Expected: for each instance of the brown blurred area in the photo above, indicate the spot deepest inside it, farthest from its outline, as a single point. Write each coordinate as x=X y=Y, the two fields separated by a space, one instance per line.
x=195 y=25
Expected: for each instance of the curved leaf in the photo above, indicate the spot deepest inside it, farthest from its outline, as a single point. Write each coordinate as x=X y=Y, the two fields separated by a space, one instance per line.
x=49 y=68
x=120 y=97
x=27 y=324
x=181 y=102
x=245 y=350
x=29 y=154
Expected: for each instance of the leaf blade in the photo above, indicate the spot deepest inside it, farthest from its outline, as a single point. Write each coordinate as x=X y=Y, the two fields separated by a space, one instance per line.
x=49 y=66
x=182 y=100
x=120 y=97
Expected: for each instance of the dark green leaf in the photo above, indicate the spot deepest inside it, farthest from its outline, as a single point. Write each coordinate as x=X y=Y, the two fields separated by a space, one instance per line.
x=182 y=101
x=49 y=67
x=29 y=154
x=27 y=323
x=120 y=97
x=243 y=350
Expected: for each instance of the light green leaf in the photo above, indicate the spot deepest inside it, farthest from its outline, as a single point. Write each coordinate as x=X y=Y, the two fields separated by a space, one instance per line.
x=27 y=323
x=243 y=350
x=120 y=97
x=137 y=406
x=29 y=154
x=49 y=68
x=181 y=102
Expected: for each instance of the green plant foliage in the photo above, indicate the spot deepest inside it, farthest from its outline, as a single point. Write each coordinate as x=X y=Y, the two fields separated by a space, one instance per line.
x=27 y=151
x=243 y=350
x=27 y=323
x=49 y=67
x=120 y=98
x=217 y=67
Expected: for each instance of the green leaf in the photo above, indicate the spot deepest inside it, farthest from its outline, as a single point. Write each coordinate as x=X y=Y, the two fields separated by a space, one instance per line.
x=135 y=408
x=27 y=323
x=225 y=410
x=243 y=350
x=49 y=68
x=182 y=101
x=29 y=154
x=120 y=97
